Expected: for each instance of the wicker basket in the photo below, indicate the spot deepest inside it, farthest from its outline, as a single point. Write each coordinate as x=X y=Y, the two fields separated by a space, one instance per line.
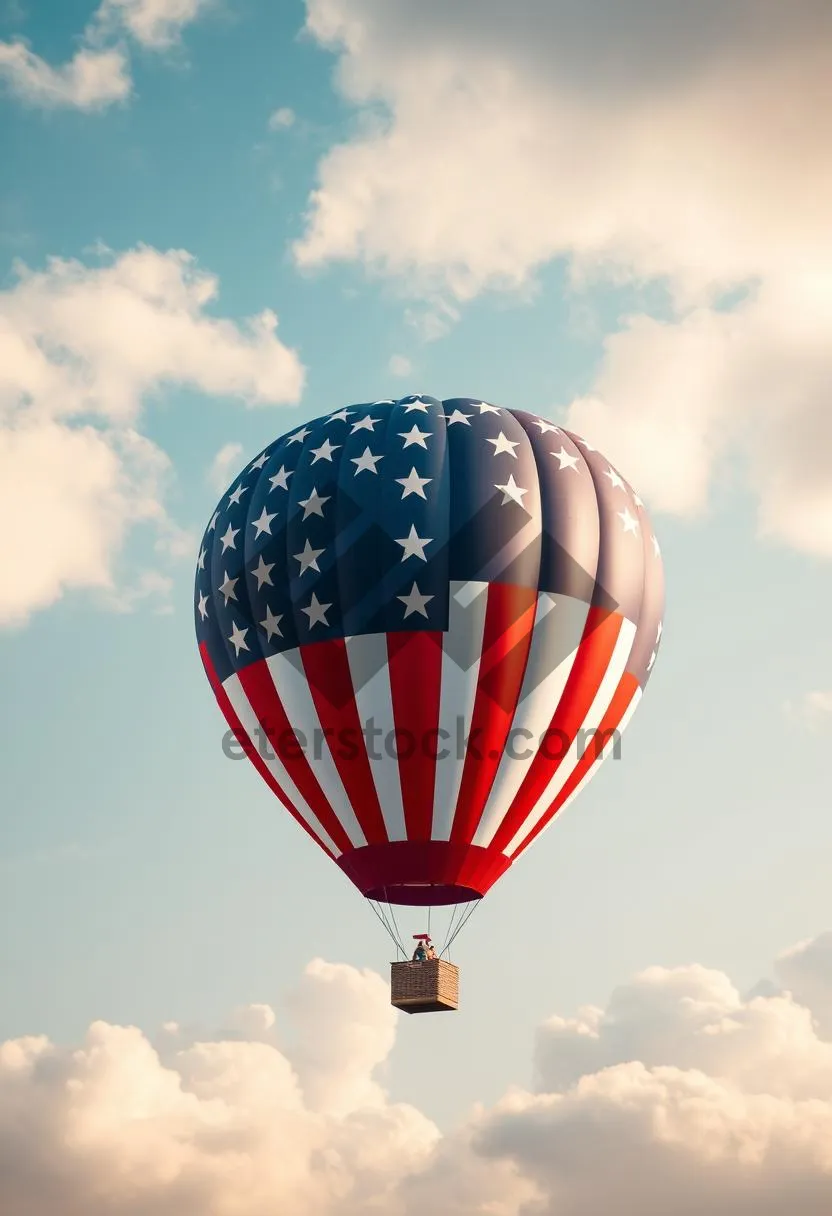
x=428 y=987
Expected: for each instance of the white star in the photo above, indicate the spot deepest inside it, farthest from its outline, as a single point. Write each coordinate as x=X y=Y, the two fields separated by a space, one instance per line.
x=512 y=492
x=659 y=632
x=364 y=424
x=271 y=624
x=263 y=524
x=237 y=495
x=308 y=559
x=587 y=446
x=313 y=505
x=637 y=501
x=652 y=660
x=200 y=561
x=656 y=549
x=566 y=461
x=414 y=545
x=414 y=601
x=503 y=444
x=316 y=612
x=414 y=435
x=260 y=461
x=615 y=480
x=389 y=401
x=263 y=573
x=414 y=484
x=228 y=539
x=226 y=588
x=485 y=408
x=629 y=521
x=416 y=405
x=324 y=452
x=238 y=640
x=341 y=416
x=213 y=522
x=280 y=481
x=545 y=426
x=458 y=416
x=203 y=605
x=300 y=436
x=366 y=462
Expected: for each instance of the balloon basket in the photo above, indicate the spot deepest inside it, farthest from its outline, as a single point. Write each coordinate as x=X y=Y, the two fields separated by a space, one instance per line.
x=431 y=986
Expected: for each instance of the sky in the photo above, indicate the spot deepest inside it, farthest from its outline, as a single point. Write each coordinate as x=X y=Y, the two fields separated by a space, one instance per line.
x=219 y=218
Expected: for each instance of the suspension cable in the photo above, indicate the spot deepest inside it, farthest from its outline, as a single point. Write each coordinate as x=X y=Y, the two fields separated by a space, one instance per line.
x=450 y=928
x=464 y=921
x=379 y=915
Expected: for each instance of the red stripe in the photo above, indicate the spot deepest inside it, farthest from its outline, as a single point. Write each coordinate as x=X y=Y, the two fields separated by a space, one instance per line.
x=624 y=694
x=263 y=696
x=251 y=751
x=415 y=666
x=329 y=677
x=507 y=636
x=588 y=670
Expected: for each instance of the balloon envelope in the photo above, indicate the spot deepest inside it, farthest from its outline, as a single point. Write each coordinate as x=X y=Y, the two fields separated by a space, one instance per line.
x=425 y=621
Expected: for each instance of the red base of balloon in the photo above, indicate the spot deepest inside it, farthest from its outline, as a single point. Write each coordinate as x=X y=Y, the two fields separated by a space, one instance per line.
x=423 y=873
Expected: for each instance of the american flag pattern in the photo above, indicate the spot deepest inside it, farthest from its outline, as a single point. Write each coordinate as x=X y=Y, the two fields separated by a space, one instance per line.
x=413 y=615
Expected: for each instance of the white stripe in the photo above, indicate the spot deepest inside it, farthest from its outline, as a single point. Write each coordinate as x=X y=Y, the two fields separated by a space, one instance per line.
x=289 y=679
x=600 y=705
x=243 y=709
x=558 y=629
x=593 y=768
x=374 y=701
x=468 y=602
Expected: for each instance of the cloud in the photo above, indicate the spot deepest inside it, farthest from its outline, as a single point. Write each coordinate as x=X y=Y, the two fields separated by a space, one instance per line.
x=280 y=119
x=222 y=1127
x=81 y=349
x=694 y=1098
x=813 y=710
x=400 y=365
x=806 y=971
x=155 y=24
x=98 y=75
x=688 y=146
x=219 y=474
x=92 y=80
x=544 y=131
x=674 y=403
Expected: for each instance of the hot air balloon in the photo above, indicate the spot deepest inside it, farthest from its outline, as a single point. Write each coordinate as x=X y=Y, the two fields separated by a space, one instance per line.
x=426 y=622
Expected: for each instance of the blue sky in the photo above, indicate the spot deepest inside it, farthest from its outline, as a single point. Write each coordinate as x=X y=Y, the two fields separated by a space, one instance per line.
x=146 y=878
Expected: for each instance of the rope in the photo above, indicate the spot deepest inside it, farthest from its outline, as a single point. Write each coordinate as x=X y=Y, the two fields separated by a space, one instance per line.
x=464 y=921
x=450 y=927
x=395 y=923
x=379 y=915
x=378 y=909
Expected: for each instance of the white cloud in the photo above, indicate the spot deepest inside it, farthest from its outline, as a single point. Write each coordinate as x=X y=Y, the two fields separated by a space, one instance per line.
x=156 y=24
x=673 y=403
x=81 y=348
x=692 y=1098
x=400 y=365
x=528 y=158
x=813 y=710
x=92 y=80
x=219 y=474
x=806 y=971
x=280 y=119
x=98 y=75
x=691 y=145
